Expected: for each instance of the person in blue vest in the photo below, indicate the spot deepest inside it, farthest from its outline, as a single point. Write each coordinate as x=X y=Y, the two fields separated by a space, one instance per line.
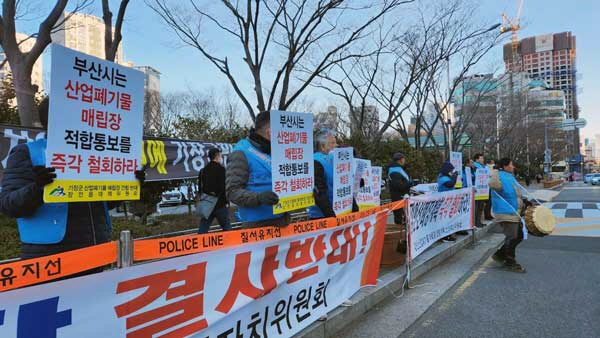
x=248 y=177
x=446 y=182
x=478 y=163
x=325 y=142
x=399 y=183
x=464 y=175
x=507 y=204
x=49 y=228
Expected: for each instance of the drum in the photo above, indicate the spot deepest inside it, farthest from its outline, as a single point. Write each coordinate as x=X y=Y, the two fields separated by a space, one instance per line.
x=539 y=220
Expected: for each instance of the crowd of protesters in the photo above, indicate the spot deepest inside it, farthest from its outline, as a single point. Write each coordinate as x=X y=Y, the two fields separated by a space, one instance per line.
x=246 y=181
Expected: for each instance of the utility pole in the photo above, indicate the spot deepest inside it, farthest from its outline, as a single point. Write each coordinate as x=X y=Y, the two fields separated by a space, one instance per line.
x=448 y=117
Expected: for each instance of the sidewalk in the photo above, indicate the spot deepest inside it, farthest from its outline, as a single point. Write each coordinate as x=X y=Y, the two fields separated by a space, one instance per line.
x=355 y=320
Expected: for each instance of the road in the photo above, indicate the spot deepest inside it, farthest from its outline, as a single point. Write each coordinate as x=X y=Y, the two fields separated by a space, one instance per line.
x=557 y=297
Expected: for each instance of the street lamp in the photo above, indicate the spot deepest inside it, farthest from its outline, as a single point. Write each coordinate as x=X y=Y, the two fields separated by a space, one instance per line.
x=449 y=113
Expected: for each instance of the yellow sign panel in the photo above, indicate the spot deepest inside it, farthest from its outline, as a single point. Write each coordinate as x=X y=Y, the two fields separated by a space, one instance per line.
x=62 y=191
x=362 y=207
x=482 y=197
x=291 y=203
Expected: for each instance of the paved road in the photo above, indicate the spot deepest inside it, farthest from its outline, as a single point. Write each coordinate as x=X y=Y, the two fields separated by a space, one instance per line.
x=557 y=297
x=579 y=192
x=577 y=210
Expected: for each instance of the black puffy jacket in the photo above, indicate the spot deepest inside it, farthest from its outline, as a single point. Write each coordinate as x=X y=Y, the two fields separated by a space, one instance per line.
x=20 y=197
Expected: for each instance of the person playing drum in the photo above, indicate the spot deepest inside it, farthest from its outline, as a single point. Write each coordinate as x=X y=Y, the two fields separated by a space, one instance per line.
x=507 y=205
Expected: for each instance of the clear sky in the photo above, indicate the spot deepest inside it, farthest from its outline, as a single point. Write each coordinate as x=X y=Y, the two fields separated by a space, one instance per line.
x=147 y=41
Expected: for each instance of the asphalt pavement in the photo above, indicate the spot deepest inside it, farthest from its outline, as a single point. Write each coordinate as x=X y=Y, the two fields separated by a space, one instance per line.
x=558 y=296
x=579 y=192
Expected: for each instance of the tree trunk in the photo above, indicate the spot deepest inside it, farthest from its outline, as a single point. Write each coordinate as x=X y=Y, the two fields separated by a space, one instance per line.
x=25 y=92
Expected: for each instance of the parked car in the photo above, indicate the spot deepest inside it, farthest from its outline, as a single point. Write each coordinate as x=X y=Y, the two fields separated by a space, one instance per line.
x=171 y=198
x=595 y=180
x=587 y=178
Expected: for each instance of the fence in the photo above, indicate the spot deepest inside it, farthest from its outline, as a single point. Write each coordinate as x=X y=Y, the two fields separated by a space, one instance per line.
x=126 y=251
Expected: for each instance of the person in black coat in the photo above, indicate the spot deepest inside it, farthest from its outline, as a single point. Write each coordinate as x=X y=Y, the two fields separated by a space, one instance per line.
x=211 y=181
x=399 y=183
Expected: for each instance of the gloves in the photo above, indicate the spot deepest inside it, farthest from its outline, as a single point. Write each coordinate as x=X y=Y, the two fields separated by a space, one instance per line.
x=43 y=175
x=141 y=176
x=268 y=198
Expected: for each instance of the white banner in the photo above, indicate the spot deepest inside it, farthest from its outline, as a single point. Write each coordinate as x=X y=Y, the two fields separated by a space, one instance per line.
x=482 y=184
x=456 y=160
x=376 y=173
x=273 y=288
x=95 y=123
x=343 y=180
x=364 y=195
x=292 y=162
x=426 y=188
x=434 y=216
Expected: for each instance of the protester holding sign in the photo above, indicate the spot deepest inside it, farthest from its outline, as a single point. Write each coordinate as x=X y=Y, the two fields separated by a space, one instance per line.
x=479 y=203
x=343 y=197
x=324 y=174
x=446 y=181
x=49 y=228
x=507 y=205
x=248 y=177
x=399 y=183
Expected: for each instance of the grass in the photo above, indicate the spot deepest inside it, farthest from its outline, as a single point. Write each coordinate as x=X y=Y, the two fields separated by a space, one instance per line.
x=10 y=243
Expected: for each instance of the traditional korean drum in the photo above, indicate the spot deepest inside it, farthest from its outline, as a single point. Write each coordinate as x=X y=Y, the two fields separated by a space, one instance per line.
x=539 y=220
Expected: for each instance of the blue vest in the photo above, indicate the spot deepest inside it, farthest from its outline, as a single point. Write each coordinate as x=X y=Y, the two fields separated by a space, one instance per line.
x=398 y=170
x=327 y=163
x=441 y=181
x=48 y=223
x=259 y=179
x=508 y=193
x=479 y=166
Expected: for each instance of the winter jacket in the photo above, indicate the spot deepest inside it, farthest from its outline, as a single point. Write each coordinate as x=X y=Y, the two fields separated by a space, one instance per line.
x=399 y=181
x=211 y=180
x=248 y=174
x=446 y=181
x=323 y=187
x=20 y=197
x=506 y=196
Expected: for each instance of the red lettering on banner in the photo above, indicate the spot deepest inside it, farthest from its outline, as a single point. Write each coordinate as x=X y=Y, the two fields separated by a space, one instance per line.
x=365 y=236
x=292 y=260
x=158 y=284
x=240 y=282
x=319 y=247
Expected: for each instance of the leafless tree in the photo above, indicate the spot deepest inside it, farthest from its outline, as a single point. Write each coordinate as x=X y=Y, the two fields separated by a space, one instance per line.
x=112 y=39
x=279 y=33
x=21 y=62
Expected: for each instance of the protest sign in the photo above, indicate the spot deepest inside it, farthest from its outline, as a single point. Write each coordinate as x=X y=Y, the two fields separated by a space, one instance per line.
x=468 y=177
x=342 y=180
x=434 y=216
x=425 y=188
x=456 y=160
x=292 y=162
x=364 y=194
x=376 y=173
x=95 y=125
x=482 y=184
x=269 y=289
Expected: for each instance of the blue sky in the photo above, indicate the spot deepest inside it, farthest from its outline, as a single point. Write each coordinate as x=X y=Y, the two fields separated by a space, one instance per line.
x=147 y=41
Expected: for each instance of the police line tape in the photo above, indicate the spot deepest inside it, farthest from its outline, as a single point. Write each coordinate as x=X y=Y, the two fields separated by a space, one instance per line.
x=43 y=269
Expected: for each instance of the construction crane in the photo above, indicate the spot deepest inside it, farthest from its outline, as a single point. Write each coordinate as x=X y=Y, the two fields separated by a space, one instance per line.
x=513 y=26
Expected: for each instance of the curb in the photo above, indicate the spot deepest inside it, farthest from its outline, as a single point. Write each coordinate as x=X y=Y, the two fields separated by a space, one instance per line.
x=389 y=283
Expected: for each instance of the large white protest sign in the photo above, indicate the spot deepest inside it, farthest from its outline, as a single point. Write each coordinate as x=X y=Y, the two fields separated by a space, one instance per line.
x=94 y=128
x=434 y=216
x=342 y=180
x=468 y=177
x=364 y=194
x=376 y=173
x=272 y=288
x=482 y=184
x=456 y=160
x=292 y=162
x=425 y=188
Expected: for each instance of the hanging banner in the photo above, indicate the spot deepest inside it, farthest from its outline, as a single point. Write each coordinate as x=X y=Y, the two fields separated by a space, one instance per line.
x=468 y=177
x=343 y=180
x=482 y=184
x=364 y=194
x=456 y=160
x=376 y=173
x=95 y=122
x=292 y=162
x=267 y=289
x=164 y=158
x=434 y=216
